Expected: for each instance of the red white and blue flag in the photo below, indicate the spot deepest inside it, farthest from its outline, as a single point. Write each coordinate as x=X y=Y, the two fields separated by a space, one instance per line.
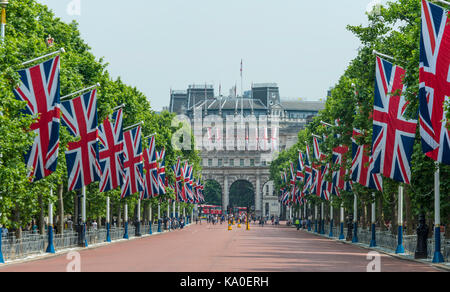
x=339 y=160
x=133 y=165
x=308 y=173
x=178 y=182
x=434 y=89
x=300 y=168
x=151 y=189
x=162 y=172
x=111 y=152
x=363 y=165
x=39 y=88
x=82 y=157
x=393 y=133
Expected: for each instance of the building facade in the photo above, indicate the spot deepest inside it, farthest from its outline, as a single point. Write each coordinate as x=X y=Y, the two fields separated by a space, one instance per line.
x=240 y=136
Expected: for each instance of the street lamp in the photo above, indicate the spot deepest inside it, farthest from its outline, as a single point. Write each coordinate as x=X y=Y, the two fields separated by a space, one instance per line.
x=3 y=4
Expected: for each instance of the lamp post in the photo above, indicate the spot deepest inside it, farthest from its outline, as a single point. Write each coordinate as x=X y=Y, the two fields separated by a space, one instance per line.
x=3 y=4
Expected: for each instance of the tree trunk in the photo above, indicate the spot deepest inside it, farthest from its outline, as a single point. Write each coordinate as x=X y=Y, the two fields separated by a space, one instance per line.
x=61 y=209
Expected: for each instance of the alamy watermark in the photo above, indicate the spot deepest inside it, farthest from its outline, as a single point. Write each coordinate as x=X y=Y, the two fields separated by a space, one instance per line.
x=231 y=133
x=74 y=264
x=375 y=262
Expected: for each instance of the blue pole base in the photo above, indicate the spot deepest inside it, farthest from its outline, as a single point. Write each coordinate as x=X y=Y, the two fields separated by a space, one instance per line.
x=309 y=225
x=108 y=235
x=437 y=258
x=400 y=249
x=50 y=247
x=150 y=231
x=125 y=236
x=138 y=229
x=159 y=226
x=85 y=243
x=341 y=235
x=331 y=229
x=2 y=261
x=322 y=227
x=315 y=227
x=373 y=242
x=355 y=235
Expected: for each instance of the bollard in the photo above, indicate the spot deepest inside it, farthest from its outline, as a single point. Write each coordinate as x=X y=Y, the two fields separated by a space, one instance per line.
x=50 y=247
x=159 y=225
x=150 y=224
x=341 y=235
x=373 y=242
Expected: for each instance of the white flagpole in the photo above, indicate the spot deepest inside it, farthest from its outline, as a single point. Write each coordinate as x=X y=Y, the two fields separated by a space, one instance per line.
x=341 y=234
x=437 y=258
x=355 y=218
x=80 y=91
x=400 y=248
x=373 y=241
x=3 y=4
x=43 y=57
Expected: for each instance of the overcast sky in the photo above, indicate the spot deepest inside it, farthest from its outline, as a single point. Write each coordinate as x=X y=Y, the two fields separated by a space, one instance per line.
x=158 y=45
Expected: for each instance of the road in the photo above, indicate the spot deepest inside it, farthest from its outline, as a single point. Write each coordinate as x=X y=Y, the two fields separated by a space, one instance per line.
x=212 y=248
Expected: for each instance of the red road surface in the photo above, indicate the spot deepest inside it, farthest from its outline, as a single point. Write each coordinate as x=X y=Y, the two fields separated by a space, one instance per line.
x=208 y=248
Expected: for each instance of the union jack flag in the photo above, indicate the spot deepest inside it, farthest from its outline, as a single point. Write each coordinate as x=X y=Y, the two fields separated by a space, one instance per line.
x=134 y=180
x=434 y=82
x=82 y=157
x=300 y=168
x=162 y=172
x=151 y=189
x=179 y=182
x=111 y=152
x=39 y=88
x=323 y=187
x=363 y=165
x=292 y=183
x=308 y=173
x=339 y=159
x=393 y=134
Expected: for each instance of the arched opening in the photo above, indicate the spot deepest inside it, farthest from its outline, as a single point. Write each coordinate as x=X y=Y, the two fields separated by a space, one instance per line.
x=213 y=193
x=242 y=194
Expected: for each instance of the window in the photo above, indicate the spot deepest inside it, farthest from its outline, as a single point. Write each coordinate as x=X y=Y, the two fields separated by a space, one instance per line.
x=219 y=162
x=242 y=163
x=231 y=162
x=209 y=162
x=252 y=162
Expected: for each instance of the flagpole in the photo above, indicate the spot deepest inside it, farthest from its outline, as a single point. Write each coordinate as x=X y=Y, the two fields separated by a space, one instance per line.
x=43 y=57
x=83 y=217
x=315 y=219
x=355 y=219
x=80 y=91
x=400 y=248
x=50 y=247
x=150 y=219
x=118 y=107
x=138 y=223
x=437 y=258
x=108 y=216
x=3 y=4
x=373 y=241
x=125 y=235
x=443 y=2
x=322 y=221
x=133 y=126
x=341 y=235
x=159 y=217
x=331 y=217
x=383 y=55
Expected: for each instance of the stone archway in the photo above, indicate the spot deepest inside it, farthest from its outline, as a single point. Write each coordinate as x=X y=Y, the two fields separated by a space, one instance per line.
x=242 y=194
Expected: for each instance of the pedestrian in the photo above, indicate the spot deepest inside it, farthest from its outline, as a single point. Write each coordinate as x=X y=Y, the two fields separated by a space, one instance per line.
x=94 y=225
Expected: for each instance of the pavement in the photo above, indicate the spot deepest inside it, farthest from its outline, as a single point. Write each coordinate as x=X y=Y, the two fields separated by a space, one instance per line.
x=214 y=248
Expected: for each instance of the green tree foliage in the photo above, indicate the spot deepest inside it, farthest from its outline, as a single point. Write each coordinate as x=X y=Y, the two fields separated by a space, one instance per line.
x=395 y=31
x=29 y=24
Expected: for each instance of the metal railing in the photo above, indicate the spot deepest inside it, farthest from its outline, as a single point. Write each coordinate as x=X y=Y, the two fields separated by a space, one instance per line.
x=387 y=240
x=32 y=244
